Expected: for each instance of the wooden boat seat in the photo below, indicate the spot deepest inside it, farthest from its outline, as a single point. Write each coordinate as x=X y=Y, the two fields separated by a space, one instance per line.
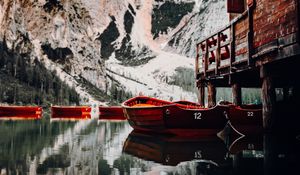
x=142 y=105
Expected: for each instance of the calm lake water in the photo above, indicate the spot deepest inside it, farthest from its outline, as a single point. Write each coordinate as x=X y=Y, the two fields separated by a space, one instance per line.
x=111 y=147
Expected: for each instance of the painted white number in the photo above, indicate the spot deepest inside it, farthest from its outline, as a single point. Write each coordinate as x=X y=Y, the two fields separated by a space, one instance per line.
x=250 y=114
x=197 y=115
x=250 y=146
x=198 y=155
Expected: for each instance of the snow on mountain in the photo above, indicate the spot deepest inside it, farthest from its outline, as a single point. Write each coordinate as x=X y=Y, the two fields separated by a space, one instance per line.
x=151 y=79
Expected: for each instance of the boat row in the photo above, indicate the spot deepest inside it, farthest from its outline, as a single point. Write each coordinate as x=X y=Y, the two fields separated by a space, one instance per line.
x=152 y=115
x=35 y=112
x=185 y=118
x=60 y=112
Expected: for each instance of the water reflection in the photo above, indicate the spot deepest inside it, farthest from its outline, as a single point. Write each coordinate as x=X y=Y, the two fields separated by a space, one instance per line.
x=44 y=147
x=106 y=147
x=170 y=150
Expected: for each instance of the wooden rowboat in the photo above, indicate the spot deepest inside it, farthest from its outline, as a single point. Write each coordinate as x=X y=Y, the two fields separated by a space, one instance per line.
x=111 y=113
x=174 y=150
x=246 y=119
x=71 y=112
x=21 y=112
x=148 y=114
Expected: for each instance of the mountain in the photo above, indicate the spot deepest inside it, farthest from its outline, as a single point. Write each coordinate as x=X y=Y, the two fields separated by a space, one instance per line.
x=109 y=50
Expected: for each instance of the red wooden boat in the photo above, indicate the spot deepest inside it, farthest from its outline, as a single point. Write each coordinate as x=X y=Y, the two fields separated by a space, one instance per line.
x=246 y=119
x=21 y=112
x=153 y=115
x=71 y=112
x=111 y=113
x=173 y=150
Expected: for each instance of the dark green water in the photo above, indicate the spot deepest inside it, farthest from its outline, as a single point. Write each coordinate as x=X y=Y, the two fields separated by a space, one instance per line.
x=110 y=147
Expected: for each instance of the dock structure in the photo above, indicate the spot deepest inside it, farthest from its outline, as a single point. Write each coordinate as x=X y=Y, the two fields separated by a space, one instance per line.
x=260 y=47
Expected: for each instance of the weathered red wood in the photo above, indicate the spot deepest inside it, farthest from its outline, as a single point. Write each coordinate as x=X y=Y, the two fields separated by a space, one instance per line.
x=206 y=57
x=235 y=6
x=232 y=46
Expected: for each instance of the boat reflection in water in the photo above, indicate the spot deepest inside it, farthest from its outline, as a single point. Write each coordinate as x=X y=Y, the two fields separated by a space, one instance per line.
x=260 y=154
x=171 y=150
x=69 y=118
x=21 y=117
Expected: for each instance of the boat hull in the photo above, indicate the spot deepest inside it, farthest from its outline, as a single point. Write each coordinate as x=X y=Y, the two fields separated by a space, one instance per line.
x=178 y=119
x=21 y=112
x=71 y=112
x=246 y=120
x=111 y=113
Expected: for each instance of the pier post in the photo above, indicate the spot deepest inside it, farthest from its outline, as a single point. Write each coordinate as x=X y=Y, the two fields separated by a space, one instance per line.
x=236 y=94
x=201 y=88
x=211 y=94
x=268 y=98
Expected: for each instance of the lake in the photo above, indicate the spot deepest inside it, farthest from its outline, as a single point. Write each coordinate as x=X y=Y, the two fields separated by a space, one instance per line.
x=112 y=147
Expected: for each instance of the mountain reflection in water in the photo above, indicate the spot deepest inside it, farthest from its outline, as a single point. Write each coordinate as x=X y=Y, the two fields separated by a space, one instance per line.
x=111 y=147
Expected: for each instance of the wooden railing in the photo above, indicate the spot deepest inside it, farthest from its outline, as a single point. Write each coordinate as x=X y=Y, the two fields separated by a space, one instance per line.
x=216 y=48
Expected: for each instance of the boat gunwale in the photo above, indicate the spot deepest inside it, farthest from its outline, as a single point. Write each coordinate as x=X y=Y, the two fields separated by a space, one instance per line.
x=247 y=109
x=171 y=104
x=76 y=107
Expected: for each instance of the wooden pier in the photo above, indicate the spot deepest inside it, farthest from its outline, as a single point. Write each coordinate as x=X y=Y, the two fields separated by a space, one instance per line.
x=260 y=48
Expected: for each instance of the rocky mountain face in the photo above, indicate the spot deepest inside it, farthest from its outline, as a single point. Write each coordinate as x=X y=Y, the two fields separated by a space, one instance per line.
x=74 y=38
x=209 y=16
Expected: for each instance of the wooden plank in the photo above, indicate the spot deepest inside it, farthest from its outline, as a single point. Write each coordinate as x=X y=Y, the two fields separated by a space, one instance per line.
x=232 y=46
x=218 y=54
x=197 y=61
x=286 y=52
x=250 y=36
x=206 y=58
x=287 y=40
x=235 y=6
